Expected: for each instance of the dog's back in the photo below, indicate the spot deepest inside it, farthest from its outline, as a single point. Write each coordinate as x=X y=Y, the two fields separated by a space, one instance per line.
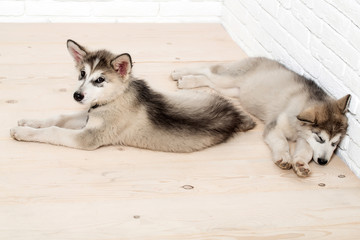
x=185 y=122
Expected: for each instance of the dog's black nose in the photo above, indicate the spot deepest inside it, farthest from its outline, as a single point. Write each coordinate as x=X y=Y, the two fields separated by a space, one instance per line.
x=322 y=161
x=78 y=96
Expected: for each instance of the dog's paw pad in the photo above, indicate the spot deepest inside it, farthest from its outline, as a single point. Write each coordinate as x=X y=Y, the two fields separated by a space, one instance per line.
x=283 y=164
x=302 y=169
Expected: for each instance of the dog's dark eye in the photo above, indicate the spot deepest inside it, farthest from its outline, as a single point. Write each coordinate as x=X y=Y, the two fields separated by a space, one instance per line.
x=82 y=75
x=99 y=80
x=334 y=144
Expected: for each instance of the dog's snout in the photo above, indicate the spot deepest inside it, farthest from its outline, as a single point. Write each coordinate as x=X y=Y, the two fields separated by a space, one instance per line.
x=322 y=161
x=78 y=96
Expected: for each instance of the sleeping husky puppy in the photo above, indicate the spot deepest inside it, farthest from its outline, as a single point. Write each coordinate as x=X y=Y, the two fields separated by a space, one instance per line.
x=292 y=107
x=125 y=110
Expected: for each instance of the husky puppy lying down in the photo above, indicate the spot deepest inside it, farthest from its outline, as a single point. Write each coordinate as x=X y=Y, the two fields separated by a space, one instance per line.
x=125 y=110
x=292 y=107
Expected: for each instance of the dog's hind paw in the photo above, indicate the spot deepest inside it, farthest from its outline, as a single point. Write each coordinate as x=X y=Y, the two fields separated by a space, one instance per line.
x=301 y=169
x=190 y=81
x=178 y=73
x=175 y=76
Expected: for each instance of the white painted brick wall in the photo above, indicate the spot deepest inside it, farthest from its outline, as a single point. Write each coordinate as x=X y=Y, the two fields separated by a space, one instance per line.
x=317 y=38
x=11 y=8
x=110 y=11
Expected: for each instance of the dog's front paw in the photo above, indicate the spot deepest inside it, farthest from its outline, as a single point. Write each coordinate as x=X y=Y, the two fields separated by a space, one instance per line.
x=284 y=161
x=21 y=133
x=30 y=123
x=301 y=168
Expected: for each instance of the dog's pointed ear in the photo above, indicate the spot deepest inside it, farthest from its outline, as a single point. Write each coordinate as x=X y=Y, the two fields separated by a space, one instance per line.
x=122 y=64
x=76 y=51
x=307 y=116
x=343 y=103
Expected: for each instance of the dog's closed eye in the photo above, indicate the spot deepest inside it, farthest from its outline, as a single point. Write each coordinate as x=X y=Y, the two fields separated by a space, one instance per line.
x=319 y=139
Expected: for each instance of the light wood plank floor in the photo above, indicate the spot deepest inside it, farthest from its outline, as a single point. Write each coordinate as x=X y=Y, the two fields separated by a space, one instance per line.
x=231 y=191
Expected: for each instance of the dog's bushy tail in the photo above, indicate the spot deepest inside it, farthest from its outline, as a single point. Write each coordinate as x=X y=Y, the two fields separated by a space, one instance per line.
x=225 y=119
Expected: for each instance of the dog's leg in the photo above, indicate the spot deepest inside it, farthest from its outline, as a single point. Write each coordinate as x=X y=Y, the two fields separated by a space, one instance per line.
x=223 y=78
x=302 y=156
x=87 y=138
x=70 y=121
x=278 y=145
x=74 y=138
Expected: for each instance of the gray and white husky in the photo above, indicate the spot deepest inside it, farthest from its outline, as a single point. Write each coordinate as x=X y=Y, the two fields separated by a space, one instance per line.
x=125 y=110
x=292 y=107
